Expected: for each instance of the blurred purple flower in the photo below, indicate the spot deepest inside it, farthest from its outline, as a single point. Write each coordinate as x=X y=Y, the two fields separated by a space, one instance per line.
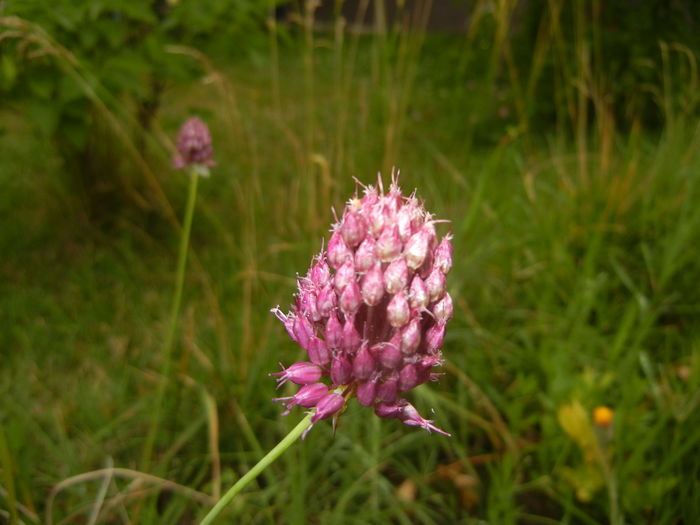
x=371 y=311
x=193 y=145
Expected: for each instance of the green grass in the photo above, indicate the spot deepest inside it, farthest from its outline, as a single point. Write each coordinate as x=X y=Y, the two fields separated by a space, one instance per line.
x=575 y=279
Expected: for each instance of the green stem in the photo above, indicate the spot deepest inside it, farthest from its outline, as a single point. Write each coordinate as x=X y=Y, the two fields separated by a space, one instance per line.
x=257 y=469
x=174 y=314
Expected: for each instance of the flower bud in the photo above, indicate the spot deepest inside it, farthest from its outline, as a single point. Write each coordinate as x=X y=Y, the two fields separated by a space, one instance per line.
x=389 y=410
x=435 y=336
x=443 y=309
x=350 y=298
x=418 y=293
x=397 y=310
x=353 y=228
x=363 y=365
x=416 y=249
x=341 y=370
x=307 y=396
x=325 y=302
x=366 y=392
x=318 y=351
x=302 y=373
x=344 y=276
x=320 y=273
x=376 y=220
x=408 y=378
x=327 y=406
x=410 y=336
x=388 y=244
x=435 y=284
x=396 y=275
x=351 y=339
x=373 y=286
x=388 y=354
x=443 y=255
x=303 y=331
x=333 y=332
x=366 y=255
x=309 y=306
x=405 y=218
x=388 y=390
x=338 y=251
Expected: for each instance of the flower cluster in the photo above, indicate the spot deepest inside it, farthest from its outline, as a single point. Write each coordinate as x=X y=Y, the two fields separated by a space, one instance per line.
x=194 y=145
x=371 y=311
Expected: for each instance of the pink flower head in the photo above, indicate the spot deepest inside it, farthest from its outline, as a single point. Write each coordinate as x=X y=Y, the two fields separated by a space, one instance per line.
x=194 y=145
x=371 y=312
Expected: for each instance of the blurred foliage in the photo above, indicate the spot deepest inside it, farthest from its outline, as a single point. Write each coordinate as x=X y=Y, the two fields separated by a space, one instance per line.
x=92 y=74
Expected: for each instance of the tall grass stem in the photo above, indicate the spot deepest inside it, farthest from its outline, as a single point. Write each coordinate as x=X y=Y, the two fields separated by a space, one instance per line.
x=260 y=466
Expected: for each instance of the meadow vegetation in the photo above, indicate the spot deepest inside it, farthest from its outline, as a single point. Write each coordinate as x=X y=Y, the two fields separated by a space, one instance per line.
x=571 y=183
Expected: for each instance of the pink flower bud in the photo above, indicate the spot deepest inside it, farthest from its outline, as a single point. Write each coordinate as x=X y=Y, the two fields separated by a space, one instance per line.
x=404 y=220
x=443 y=255
x=373 y=285
x=325 y=302
x=410 y=416
x=351 y=339
x=350 y=298
x=388 y=390
x=318 y=351
x=341 y=370
x=309 y=307
x=418 y=293
x=443 y=309
x=388 y=244
x=376 y=219
x=307 y=396
x=396 y=276
x=363 y=365
x=327 y=406
x=333 y=332
x=392 y=201
x=435 y=284
x=320 y=273
x=302 y=373
x=397 y=310
x=338 y=251
x=303 y=331
x=410 y=336
x=416 y=249
x=344 y=276
x=366 y=392
x=408 y=378
x=389 y=410
x=435 y=336
x=353 y=229
x=366 y=255
x=388 y=354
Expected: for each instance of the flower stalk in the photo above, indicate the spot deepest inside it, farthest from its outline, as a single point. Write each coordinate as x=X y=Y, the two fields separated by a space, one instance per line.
x=174 y=314
x=260 y=466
